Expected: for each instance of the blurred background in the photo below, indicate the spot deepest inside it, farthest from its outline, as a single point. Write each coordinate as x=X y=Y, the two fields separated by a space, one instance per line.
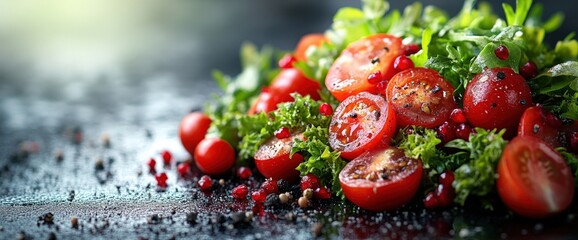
x=138 y=60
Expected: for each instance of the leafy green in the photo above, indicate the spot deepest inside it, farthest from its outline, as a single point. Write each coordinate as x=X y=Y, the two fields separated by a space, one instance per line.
x=572 y=161
x=519 y=16
x=556 y=88
x=478 y=175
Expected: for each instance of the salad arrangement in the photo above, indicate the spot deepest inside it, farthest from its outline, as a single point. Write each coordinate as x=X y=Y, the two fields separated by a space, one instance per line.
x=386 y=104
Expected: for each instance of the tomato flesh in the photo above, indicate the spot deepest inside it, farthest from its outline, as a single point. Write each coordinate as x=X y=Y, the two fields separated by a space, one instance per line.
x=496 y=99
x=534 y=180
x=361 y=123
x=420 y=97
x=380 y=180
x=350 y=73
x=192 y=130
x=273 y=158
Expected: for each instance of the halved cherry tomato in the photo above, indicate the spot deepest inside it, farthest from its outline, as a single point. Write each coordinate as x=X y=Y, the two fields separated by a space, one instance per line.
x=496 y=99
x=313 y=39
x=421 y=97
x=193 y=129
x=380 y=180
x=288 y=81
x=214 y=156
x=533 y=179
x=351 y=71
x=538 y=122
x=273 y=158
x=361 y=123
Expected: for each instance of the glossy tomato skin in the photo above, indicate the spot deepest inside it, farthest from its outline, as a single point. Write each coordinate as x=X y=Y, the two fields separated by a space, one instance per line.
x=214 y=156
x=534 y=122
x=361 y=123
x=496 y=99
x=350 y=72
x=383 y=179
x=308 y=40
x=273 y=158
x=192 y=130
x=533 y=179
x=288 y=81
x=420 y=97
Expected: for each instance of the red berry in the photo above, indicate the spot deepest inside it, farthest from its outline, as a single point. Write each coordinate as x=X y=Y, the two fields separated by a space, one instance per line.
x=463 y=131
x=322 y=193
x=259 y=196
x=152 y=163
x=529 y=70
x=573 y=141
x=161 y=179
x=445 y=195
x=183 y=168
x=402 y=62
x=309 y=181
x=244 y=173
x=375 y=78
x=447 y=178
x=240 y=192
x=430 y=201
x=502 y=52
x=446 y=132
x=282 y=132
x=458 y=116
x=167 y=157
x=410 y=49
x=382 y=87
x=270 y=186
x=205 y=183
x=552 y=120
x=325 y=109
x=287 y=61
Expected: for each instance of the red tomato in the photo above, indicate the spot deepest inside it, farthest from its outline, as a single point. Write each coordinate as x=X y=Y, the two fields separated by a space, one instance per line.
x=538 y=122
x=496 y=99
x=381 y=180
x=355 y=69
x=313 y=39
x=534 y=180
x=273 y=161
x=192 y=130
x=361 y=123
x=214 y=156
x=288 y=81
x=421 y=97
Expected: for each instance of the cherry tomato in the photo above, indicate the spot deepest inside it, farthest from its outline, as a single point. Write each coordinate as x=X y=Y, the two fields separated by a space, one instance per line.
x=496 y=99
x=361 y=123
x=214 y=156
x=313 y=39
x=288 y=81
x=355 y=69
x=534 y=180
x=380 y=180
x=273 y=161
x=192 y=130
x=534 y=122
x=421 y=97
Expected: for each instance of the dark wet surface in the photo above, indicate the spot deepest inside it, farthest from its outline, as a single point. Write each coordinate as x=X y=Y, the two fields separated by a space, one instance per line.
x=68 y=82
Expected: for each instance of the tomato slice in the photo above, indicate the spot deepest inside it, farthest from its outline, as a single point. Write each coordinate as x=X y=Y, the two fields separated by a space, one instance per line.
x=313 y=39
x=534 y=180
x=273 y=158
x=420 y=97
x=496 y=99
x=380 y=180
x=350 y=73
x=361 y=123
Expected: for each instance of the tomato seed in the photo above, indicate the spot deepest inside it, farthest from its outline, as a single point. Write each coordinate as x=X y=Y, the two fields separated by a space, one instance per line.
x=325 y=109
x=167 y=157
x=502 y=52
x=375 y=78
x=205 y=183
x=402 y=62
x=244 y=173
x=287 y=61
x=282 y=133
x=240 y=192
x=410 y=49
x=529 y=70
x=458 y=116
